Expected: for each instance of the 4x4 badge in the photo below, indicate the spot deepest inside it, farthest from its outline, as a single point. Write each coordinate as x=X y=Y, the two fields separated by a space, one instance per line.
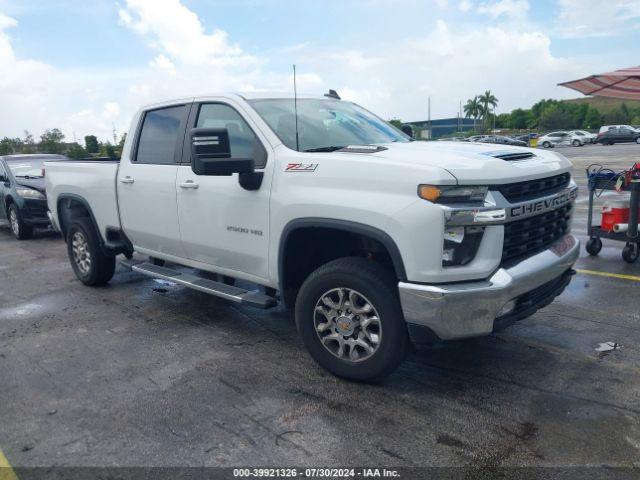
x=301 y=167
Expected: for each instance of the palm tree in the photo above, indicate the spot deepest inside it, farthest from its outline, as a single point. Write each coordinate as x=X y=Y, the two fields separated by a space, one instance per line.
x=487 y=101
x=473 y=109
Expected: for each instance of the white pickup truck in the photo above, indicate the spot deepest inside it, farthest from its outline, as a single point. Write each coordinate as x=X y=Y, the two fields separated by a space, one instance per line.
x=373 y=238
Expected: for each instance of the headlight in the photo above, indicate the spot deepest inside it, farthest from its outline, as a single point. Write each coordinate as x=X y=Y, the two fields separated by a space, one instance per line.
x=452 y=193
x=30 y=193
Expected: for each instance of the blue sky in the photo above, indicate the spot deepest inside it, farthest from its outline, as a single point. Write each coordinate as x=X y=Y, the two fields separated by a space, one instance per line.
x=86 y=66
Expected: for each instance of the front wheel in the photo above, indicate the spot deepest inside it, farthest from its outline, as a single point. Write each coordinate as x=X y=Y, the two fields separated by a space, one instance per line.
x=546 y=145
x=349 y=317
x=638 y=140
x=90 y=264
x=20 y=230
x=576 y=143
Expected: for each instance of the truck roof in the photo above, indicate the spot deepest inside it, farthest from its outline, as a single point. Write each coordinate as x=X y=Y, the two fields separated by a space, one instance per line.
x=236 y=95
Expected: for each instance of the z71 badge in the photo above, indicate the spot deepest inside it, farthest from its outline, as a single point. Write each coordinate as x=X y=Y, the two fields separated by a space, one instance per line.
x=301 y=167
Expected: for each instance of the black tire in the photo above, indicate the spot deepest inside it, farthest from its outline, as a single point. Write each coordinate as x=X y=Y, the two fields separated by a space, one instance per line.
x=378 y=285
x=593 y=246
x=101 y=267
x=20 y=230
x=546 y=145
x=631 y=252
x=576 y=143
x=638 y=140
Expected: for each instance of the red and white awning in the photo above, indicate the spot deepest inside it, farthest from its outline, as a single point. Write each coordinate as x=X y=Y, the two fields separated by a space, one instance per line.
x=623 y=84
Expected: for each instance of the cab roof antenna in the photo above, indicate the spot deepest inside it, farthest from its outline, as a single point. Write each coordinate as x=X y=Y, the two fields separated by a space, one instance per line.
x=332 y=94
x=295 y=106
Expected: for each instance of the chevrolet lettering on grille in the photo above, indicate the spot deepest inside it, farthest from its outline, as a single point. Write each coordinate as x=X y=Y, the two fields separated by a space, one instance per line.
x=544 y=205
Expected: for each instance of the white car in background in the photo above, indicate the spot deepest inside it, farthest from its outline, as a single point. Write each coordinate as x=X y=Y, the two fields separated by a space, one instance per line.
x=588 y=137
x=606 y=128
x=565 y=138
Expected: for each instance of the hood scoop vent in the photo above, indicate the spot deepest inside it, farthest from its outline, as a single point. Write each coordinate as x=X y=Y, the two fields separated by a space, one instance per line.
x=512 y=157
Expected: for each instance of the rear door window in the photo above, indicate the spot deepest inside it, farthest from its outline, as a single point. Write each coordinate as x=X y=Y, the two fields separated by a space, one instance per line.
x=161 y=134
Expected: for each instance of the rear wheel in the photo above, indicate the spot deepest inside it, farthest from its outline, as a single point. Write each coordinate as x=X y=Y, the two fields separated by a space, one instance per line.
x=638 y=140
x=20 y=230
x=90 y=264
x=349 y=317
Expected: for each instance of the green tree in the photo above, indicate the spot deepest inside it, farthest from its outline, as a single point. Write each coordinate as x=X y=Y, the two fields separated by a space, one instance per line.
x=617 y=116
x=51 y=141
x=593 y=119
x=396 y=122
x=108 y=150
x=9 y=146
x=472 y=109
x=76 y=151
x=91 y=144
x=554 y=118
x=28 y=144
x=489 y=102
x=518 y=119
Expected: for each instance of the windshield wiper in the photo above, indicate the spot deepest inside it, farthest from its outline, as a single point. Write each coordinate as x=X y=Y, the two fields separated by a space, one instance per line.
x=332 y=148
x=28 y=177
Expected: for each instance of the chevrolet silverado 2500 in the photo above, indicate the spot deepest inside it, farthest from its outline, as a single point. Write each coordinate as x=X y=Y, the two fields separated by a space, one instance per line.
x=373 y=238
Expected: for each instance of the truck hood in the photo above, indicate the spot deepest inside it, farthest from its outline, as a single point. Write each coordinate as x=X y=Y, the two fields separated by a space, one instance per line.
x=476 y=163
x=35 y=183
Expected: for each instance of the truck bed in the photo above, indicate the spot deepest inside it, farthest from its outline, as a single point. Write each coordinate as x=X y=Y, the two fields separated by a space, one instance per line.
x=92 y=182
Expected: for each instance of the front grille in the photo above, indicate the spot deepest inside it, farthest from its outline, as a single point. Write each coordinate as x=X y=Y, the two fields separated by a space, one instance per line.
x=529 y=236
x=521 y=191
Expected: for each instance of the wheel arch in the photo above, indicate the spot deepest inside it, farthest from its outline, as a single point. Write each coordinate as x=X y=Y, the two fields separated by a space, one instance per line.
x=297 y=230
x=70 y=206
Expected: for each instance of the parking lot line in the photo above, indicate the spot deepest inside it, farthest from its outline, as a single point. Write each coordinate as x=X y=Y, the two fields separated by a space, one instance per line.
x=6 y=471
x=610 y=275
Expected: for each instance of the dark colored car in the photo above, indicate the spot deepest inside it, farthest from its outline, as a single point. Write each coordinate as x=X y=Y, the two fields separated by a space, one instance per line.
x=22 y=195
x=618 y=135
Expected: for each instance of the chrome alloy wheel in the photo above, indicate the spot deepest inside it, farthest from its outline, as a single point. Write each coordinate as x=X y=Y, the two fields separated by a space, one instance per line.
x=13 y=220
x=347 y=324
x=81 y=253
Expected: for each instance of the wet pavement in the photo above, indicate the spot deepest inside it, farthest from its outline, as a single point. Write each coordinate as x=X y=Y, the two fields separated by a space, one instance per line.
x=145 y=373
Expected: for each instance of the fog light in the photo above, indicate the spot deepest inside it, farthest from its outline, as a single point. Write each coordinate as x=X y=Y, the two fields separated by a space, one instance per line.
x=461 y=245
x=508 y=308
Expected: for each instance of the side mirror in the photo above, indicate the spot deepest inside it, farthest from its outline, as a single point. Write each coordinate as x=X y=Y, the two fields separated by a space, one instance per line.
x=407 y=130
x=211 y=154
x=3 y=178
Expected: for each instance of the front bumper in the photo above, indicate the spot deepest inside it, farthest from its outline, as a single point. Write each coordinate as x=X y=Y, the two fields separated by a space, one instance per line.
x=462 y=310
x=34 y=212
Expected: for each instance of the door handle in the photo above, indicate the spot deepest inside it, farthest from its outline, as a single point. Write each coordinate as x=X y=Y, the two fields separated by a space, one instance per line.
x=189 y=184
x=127 y=179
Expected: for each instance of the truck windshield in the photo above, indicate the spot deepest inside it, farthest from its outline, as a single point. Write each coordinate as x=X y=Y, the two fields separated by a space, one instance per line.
x=31 y=168
x=325 y=125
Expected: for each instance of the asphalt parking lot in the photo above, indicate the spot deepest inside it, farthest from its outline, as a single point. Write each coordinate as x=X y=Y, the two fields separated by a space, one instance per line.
x=147 y=373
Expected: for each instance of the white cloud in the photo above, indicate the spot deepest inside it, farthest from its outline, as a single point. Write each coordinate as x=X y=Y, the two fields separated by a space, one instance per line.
x=465 y=5
x=508 y=8
x=177 y=32
x=448 y=66
x=597 y=18
x=163 y=63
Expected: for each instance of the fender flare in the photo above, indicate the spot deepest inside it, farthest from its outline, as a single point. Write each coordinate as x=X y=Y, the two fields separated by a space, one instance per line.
x=344 y=225
x=85 y=204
